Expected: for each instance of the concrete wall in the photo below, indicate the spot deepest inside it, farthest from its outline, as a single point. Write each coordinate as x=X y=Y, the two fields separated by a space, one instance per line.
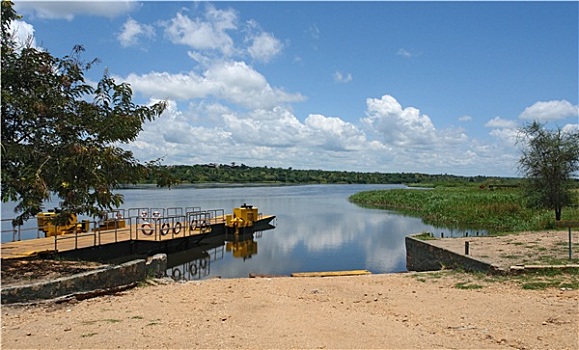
x=112 y=277
x=422 y=256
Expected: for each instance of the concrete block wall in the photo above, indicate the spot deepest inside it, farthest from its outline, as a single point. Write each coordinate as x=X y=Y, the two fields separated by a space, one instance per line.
x=101 y=279
x=422 y=256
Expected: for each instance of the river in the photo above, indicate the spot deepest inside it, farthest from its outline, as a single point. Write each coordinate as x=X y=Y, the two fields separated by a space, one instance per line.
x=317 y=229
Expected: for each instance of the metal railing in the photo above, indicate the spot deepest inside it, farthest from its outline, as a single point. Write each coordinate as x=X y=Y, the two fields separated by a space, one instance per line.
x=17 y=231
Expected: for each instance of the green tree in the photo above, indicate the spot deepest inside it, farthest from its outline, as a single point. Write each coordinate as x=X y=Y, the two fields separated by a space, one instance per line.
x=60 y=135
x=548 y=162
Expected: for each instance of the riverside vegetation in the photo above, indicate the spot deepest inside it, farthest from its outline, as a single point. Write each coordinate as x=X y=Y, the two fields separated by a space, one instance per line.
x=243 y=174
x=497 y=209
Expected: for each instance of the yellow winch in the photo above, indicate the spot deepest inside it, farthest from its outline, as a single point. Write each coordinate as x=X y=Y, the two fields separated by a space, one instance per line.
x=243 y=216
x=49 y=229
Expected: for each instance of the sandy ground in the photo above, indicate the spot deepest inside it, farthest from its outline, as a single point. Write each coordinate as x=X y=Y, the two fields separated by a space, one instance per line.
x=396 y=311
x=524 y=248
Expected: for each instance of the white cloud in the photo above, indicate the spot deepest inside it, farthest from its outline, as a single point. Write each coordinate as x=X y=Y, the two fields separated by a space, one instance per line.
x=23 y=33
x=465 y=118
x=264 y=47
x=400 y=127
x=208 y=33
x=276 y=128
x=507 y=136
x=274 y=137
x=235 y=82
x=340 y=77
x=410 y=142
x=505 y=131
x=334 y=134
x=406 y=54
x=570 y=128
x=132 y=30
x=550 y=110
x=498 y=122
x=69 y=9
x=212 y=132
x=163 y=85
x=314 y=32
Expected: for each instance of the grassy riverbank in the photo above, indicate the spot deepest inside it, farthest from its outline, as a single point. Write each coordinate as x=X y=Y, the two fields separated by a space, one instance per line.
x=499 y=210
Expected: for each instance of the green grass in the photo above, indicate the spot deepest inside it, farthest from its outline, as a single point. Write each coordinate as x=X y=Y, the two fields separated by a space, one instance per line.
x=467 y=285
x=154 y=322
x=425 y=236
x=501 y=210
x=111 y=320
x=108 y=320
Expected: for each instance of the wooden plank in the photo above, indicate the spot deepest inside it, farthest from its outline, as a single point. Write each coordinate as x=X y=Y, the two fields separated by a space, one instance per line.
x=331 y=273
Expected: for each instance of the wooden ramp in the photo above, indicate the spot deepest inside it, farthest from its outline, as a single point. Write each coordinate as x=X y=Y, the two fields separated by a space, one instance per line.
x=331 y=273
x=68 y=242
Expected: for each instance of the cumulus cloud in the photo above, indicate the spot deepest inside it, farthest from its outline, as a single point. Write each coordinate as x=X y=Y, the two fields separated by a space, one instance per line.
x=264 y=47
x=340 y=77
x=208 y=33
x=69 y=9
x=411 y=142
x=403 y=127
x=498 y=122
x=570 y=128
x=132 y=31
x=550 y=110
x=334 y=134
x=235 y=82
x=213 y=132
x=465 y=118
x=505 y=131
x=277 y=128
x=23 y=33
x=274 y=137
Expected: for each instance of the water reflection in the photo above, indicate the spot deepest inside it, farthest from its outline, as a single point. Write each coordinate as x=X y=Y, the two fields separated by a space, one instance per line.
x=242 y=246
x=195 y=263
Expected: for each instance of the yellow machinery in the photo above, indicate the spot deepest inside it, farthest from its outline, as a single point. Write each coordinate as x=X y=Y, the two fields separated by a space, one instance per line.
x=112 y=224
x=49 y=229
x=243 y=216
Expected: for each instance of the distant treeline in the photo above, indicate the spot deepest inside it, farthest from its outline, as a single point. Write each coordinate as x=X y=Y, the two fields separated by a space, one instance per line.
x=223 y=173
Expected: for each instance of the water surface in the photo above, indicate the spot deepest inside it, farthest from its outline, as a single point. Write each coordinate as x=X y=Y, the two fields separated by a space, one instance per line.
x=317 y=229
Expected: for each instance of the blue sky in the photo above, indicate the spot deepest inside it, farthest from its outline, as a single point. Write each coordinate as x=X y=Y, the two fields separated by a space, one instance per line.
x=433 y=87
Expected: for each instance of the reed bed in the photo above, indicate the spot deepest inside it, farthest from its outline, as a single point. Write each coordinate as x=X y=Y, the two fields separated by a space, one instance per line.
x=497 y=211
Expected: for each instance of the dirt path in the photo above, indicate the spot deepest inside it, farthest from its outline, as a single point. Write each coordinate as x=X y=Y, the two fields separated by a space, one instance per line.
x=398 y=311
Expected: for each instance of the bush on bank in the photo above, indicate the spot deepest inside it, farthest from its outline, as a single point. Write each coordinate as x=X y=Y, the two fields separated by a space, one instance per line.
x=495 y=210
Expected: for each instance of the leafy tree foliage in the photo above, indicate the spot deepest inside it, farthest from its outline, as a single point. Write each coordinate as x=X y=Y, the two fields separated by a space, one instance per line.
x=60 y=135
x=549 y=160
x=224 y=173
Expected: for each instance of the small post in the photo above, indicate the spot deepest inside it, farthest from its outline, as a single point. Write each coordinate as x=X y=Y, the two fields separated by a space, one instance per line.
x=570 y=245
x=466 y=248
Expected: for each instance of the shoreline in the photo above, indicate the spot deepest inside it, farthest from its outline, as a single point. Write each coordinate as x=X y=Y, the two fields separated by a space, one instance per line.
x=408 y=310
